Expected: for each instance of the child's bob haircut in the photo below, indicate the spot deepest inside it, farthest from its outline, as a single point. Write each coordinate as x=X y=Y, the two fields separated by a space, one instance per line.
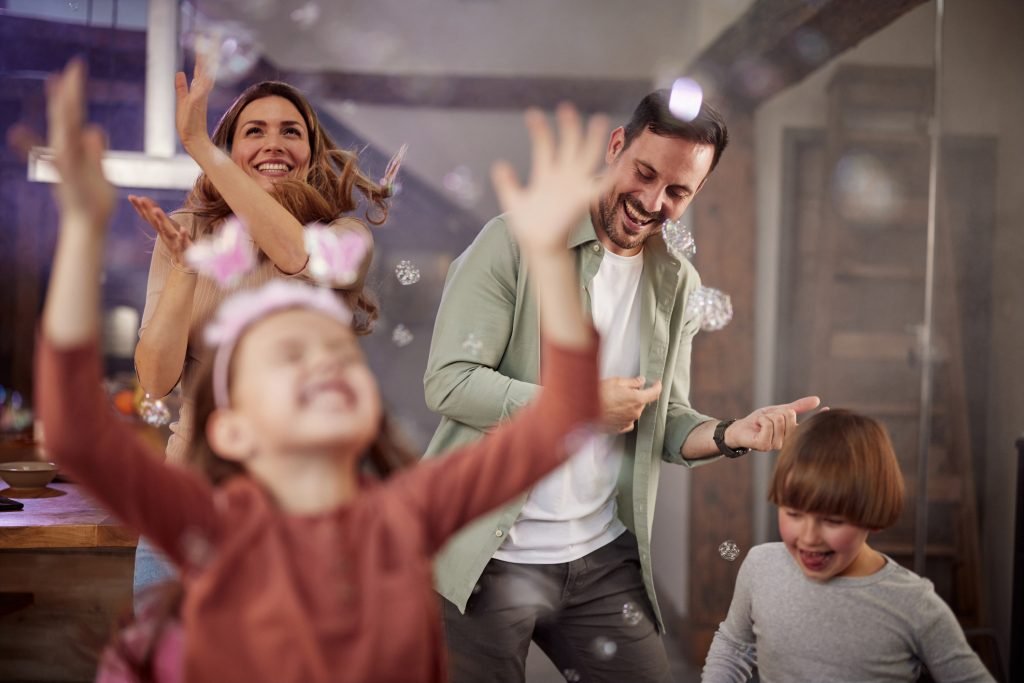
x=840 y=463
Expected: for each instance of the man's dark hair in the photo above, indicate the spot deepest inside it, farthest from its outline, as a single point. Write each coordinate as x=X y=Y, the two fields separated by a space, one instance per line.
x=653 y=114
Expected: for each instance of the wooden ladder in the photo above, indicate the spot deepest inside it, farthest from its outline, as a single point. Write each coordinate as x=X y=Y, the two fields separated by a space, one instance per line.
x=868 y=304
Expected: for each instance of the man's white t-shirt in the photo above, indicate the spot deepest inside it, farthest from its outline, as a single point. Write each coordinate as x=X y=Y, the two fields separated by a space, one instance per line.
x=572 y=511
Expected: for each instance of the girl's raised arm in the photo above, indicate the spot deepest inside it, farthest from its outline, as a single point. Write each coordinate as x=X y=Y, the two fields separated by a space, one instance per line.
x=86 y=200
x=99 y=451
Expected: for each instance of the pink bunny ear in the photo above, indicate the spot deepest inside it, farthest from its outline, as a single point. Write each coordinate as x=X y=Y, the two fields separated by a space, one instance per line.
x=391 y=172
x=334 y=259
x=226 y=256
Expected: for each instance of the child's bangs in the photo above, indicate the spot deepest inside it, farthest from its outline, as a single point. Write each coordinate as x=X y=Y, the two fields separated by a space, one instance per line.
x=825 y=490
x=840 y=464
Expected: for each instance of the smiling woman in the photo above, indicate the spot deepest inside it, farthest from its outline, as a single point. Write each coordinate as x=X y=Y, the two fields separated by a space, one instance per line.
x=270 y=163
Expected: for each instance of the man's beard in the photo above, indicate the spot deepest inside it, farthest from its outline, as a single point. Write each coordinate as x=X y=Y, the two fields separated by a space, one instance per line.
x=614 y=230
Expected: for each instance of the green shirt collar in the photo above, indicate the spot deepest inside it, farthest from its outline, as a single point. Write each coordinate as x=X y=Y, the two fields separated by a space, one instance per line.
x=584 y=232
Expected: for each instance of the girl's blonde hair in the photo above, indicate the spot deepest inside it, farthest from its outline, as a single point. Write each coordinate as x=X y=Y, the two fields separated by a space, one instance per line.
x=840 y=463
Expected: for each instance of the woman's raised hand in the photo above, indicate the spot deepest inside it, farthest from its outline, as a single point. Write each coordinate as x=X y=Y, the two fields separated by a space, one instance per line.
x=190 y=114
x=84 y=194
x=173 y=235
x=562 y=183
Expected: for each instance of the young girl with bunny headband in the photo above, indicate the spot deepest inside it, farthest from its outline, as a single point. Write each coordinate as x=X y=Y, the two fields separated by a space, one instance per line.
x=295 y=564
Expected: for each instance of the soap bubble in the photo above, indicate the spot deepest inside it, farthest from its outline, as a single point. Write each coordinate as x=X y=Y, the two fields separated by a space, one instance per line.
x=307 y=15
x=407 y=273
x=712 y=307
x=461 y=184
x=401 y=336
x=232 y=49
x=472 y=345
x=685 y=100
x=154 y=412
x=604 y=648
x=571 y=675
x=729 y=550
x=631 y=614
x=865 y=190
x=679 y=239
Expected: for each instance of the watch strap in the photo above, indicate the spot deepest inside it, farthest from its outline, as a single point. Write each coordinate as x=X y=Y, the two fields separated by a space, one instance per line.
x=723 y=448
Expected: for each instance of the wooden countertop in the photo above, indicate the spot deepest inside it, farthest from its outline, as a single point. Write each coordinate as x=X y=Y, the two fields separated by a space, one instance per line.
x=60 y=516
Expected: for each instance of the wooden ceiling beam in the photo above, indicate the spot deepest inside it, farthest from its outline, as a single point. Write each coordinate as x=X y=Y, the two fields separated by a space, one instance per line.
x=776 y=43
x=450 y=91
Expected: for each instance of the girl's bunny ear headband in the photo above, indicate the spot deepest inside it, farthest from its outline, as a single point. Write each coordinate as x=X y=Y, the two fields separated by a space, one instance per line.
x=239 y=311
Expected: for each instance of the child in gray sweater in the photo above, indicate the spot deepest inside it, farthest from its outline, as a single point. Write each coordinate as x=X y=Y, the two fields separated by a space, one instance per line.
x=822 y=605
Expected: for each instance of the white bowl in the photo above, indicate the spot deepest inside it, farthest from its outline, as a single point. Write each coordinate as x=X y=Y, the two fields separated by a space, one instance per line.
x=29 y=474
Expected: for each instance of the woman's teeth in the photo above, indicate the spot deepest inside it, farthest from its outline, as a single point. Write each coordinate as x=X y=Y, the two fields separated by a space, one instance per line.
x=272 y=168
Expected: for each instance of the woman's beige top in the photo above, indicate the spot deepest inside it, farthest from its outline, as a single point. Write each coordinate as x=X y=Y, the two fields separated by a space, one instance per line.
x=207 y=298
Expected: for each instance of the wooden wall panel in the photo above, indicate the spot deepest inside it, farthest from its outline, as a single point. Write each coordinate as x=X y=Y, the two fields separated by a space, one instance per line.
x=723 y=372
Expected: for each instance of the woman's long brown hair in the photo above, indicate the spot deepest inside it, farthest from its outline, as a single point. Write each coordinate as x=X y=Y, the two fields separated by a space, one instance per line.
x=327 y=192
x=334 y=173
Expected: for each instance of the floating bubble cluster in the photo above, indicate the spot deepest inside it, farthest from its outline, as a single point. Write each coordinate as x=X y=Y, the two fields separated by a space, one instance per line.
x=401 y=336
x=462 y=185
x=232 y=49
x=604 y=648
x=306 y=16
x=472 y=345
x=631 y=614
x=865 y=190
x=685 y=99
x=571 y=675
x=712 y=307
x=154 y=412
x=729 y=550
x=679 y=239
x=407 y=273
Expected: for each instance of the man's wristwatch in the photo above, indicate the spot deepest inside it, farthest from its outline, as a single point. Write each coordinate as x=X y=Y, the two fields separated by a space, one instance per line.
x=720 y=441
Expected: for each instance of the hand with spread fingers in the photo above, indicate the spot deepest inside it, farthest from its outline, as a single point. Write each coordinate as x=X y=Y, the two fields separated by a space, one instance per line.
x=84 y=193
x=561 y=186
x=766 y=429
x=174 y=236
x=190 y=113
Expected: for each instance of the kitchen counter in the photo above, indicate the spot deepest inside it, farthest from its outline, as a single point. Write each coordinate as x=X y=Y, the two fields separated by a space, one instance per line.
x=60 y=516
x=65 y=579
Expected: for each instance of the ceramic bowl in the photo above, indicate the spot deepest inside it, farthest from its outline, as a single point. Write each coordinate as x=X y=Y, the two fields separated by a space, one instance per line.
x=27 y=474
